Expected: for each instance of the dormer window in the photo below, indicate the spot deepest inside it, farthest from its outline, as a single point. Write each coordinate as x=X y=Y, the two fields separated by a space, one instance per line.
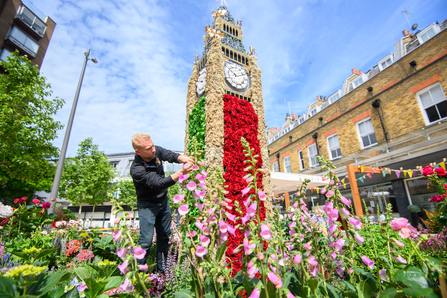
x=334 y=97
x=428 y=33
x=385 y=62
x=360 y=79
x=313 y=112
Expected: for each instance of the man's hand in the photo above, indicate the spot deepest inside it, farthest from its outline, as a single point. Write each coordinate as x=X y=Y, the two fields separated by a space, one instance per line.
x=186 y=169
x=185 y=159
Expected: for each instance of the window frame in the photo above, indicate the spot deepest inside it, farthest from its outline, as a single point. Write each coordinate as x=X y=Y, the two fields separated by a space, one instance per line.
x=330 y=149
x=337 y=93
x=301 y=158
x=360 y=136
x=421 y=106
x=273 y=167
x=313 y=109
x=384 y=60
x=310 y=157
x=433 y=26
x=287 y=166
x=5 y=59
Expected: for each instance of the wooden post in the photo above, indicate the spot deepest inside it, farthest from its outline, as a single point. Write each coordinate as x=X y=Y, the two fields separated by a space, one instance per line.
x=286 y=196
x=354 y=190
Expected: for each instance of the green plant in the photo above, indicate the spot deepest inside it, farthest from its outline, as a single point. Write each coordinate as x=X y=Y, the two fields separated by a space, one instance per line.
x=197 y=124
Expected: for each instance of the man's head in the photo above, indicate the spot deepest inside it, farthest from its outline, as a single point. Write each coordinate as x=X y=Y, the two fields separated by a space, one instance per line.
x=144 y=146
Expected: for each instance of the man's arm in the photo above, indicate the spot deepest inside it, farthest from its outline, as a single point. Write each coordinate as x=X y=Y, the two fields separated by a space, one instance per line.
x=185 y=159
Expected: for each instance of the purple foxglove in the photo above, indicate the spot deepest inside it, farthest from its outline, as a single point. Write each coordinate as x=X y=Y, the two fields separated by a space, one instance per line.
x=339 y=244
x=212 y=220
x=122 y=252
x=289 y=295
x=205 y=241
x=231 y=229
x=82 y=287
x=265 y=232
x=308 y=246
x=124 y=267
x=192 y=234
x=261 y=195
x=256 y=293
x=211 y=211
x=345 y=201
x=200 y=252
x=330 y=193
x=183 y=210
x=356 y=223
x=398 y=243
x=191 y=186
x=399 y=259
x=178 y=198
x=331 y=182
x=183 y=178
x=332 y=229
x=252 y=210
x=246 y=190
x=333 y=216
x=297 y=258
x=359 y=239
x=142 y=267
x=275 y=280
x=312 y=261
x=195 y=167
x=223 y=237
x=333 y=255
x=199 y=206
x=248 y=248
x=313 y=272
x=344 y=212
x=368 y=262
x=117 y=236
x=139 y=253
x=328 y=207
x=202 y=186
x=200 y=194
x=230 y=216
x=382 y=273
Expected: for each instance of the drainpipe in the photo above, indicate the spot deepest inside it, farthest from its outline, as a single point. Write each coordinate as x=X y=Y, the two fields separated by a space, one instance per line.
x=376 y=104
x=279 y=162
x=315 y=136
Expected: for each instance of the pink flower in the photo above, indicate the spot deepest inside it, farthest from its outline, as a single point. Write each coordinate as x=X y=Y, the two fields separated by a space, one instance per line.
x=333 y=215
x=382 y=273
x=199 y=206
x=142 y=267
x=312 y=261
x=265 y=232
x=46 y=205
x=200 y=252
x=139 y=253
x=178 y=198
x=345 y=201
x=333 y=255
x=368 y=262
x=211 y=211
x=356 y=223
x=223 y=228
x=289 y=295
x=246 y=190
x=329 y=193
x=329 y=206
x=359 y=239
x=123 y=267
x=183 y=178
x=255 y=294
x=399 y=223
x=313 y=272
x=36 y=201
x=297 y=258
x=339 y=244
x=126 y=287
x=440 y=172
x=252 y=210
x=331 y=182
x=344 y=212
x=82 y=287
x=192 y=234
x=202 y=186
x=308 y=246
x=195 y=167
x=261 y=195
x=230 y=216
x=427 y=171
x=332 y=229
x=275 y=280
x=117 y=221
x=122 y=252
x=400 y=259
x=117 y=236
x=191 y=185
x=183 y=210
x=398 y=243
x=205 y=241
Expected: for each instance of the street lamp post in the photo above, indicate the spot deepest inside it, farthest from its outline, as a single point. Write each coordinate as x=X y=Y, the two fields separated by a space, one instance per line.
x=61 y=161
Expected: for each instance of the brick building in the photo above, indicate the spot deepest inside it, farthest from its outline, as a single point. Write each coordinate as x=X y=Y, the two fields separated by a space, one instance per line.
x=392 y=118
x=25 y=28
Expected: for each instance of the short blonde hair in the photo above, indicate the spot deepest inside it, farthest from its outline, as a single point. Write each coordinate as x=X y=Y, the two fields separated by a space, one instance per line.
x=139 y=138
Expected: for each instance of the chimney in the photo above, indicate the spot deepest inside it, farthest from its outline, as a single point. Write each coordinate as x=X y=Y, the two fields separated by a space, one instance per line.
x=405 y=32
x=353 y=71
x=318 y=97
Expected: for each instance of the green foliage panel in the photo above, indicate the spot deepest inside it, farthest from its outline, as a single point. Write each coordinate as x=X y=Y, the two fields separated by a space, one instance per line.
x=197 y=125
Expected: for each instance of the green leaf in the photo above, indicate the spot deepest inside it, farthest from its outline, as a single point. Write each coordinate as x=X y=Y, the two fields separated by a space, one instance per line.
x=313 y=284
x=220 y=251
x=58 y=293
x=185 y=293
x=332 y=292
x=73 y=293
x=8 y=287
x=113 y=282
x=389 y=293
x=50 y=281
x=412 y=277
x=365 y=274
x=420 y=292
x=350 y=286
x=45 y=253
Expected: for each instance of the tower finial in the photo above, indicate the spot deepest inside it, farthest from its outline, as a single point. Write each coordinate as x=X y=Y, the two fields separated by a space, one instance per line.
x=222 y=2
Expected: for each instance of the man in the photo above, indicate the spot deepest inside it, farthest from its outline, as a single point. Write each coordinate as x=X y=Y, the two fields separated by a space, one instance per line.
x=151 y=187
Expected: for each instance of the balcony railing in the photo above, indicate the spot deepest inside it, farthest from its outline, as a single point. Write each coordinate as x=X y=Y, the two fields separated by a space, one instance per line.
x=30 y=19
x=22 y=40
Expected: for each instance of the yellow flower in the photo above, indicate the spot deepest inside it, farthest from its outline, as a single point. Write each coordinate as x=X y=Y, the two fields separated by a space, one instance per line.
x=24 y=271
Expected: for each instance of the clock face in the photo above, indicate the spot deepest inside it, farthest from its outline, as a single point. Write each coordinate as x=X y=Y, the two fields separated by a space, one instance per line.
x=201 y=82
x=236 y=76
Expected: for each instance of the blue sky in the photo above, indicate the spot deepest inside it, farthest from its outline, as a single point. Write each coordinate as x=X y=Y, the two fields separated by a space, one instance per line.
x=146 y=51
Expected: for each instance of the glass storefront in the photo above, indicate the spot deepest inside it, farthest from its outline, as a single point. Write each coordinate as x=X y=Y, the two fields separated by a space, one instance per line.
x=420 y=194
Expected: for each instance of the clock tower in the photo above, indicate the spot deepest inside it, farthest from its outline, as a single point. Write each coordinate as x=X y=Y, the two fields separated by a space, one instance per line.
x=226 y=68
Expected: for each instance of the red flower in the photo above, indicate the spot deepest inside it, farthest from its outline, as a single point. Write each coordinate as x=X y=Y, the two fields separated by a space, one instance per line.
x=427 y=171
x=16 y=201
x=36 y=201
x=46 y=205
x=440 y=171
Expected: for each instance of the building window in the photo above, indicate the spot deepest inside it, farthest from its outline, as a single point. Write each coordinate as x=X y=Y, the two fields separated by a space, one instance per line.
x=300 y=154
x=114 y=164
x=312 y=151
x=313 y=112
x=22 y=40
x=275 y=166
x=366 y=133
x=29 y=18
x=333 y=98
x=357 y=82
x=333 y=146
x=434 y=102
x=287 y=167
x=4 y=55
x=386 y=61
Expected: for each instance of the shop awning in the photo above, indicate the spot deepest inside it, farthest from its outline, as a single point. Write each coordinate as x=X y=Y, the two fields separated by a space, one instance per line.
x=288 y=182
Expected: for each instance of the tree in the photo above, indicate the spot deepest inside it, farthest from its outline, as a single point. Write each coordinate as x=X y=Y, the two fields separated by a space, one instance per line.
x=126 y=192
x=27 y=128
x=87 y=177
